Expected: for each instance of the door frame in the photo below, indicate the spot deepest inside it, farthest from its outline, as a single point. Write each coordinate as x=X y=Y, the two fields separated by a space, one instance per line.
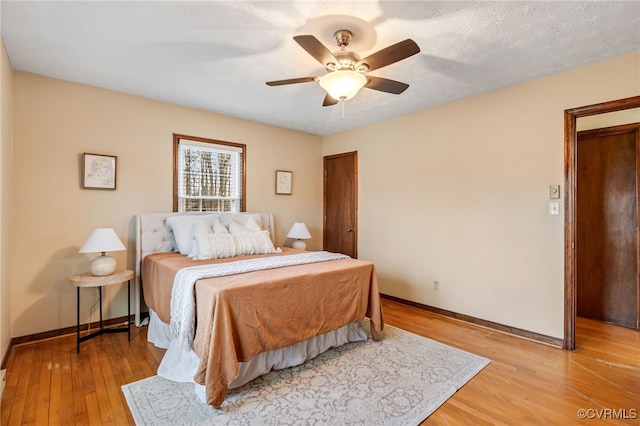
x=570 y=193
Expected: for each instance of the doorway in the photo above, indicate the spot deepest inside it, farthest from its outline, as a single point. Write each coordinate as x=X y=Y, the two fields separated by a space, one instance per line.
x=340 y=230
x=606 y=225
x=570 y=166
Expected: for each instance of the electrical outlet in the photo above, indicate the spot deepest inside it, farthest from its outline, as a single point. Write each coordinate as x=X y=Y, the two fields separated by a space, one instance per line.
x=436 y=286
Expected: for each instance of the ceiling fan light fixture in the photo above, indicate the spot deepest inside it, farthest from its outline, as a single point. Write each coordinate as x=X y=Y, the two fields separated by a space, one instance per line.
x=342 y=84
x=346 y=72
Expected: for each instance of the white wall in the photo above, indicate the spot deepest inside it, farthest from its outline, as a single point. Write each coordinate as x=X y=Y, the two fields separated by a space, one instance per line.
x=459 y=194
x=6 y=143
x=56 y=121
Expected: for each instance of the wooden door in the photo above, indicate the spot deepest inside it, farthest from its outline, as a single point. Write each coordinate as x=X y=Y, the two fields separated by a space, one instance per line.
x=340 y=233
x=607 y=225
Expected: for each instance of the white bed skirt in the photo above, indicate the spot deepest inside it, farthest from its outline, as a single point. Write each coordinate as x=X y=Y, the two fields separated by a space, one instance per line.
x=180 y=366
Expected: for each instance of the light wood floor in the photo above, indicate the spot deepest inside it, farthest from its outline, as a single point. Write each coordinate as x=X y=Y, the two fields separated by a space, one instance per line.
x=526 y=382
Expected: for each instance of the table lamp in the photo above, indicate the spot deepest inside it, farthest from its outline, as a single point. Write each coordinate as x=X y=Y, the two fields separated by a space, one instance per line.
x=300 y=232
x=102 y=240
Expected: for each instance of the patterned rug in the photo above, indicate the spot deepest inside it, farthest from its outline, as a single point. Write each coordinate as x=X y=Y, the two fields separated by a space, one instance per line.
x=400 y=380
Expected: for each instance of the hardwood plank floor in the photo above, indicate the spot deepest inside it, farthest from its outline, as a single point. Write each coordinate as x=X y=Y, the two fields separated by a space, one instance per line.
x=526 y=382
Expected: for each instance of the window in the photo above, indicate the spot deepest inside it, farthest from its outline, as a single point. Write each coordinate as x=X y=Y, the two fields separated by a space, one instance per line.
x=208 y=175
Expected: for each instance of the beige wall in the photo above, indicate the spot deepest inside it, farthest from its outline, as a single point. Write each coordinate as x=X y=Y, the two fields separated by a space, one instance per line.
x=6 y=143
x=56 y=121
x=472 y=212
x=459 y=194
x=616 y=118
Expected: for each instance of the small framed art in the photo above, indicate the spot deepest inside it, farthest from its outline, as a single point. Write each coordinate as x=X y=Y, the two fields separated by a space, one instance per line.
x=283 y=182
x=99 y=171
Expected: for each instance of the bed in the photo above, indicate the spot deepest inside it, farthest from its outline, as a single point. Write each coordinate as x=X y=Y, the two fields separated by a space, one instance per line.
x=229 y=306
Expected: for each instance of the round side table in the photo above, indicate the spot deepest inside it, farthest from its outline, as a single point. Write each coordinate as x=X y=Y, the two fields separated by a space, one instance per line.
x=88 y=280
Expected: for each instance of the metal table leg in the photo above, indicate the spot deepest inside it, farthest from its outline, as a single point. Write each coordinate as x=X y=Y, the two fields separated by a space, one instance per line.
x=78 y=322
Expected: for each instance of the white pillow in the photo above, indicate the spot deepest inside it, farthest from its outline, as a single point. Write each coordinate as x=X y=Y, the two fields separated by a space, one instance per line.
x=252 y=225
x=253 y=243
x=218 y=246
x=194 y=248
x=243 y=219
x=219 y=228
x=236 y=229
x=182 y=227
x=201 y=240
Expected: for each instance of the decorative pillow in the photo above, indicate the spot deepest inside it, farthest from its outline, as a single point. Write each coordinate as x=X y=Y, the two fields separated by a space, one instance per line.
x=201 y=240
x=236 y=229
x=252 y=225
x=243 y=219
x=219 y=228
x=182 y=227
x=253 y=243
x=194 y=248
x=218 y=246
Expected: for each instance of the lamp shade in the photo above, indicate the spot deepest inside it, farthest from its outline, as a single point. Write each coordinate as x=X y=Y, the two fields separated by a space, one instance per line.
x=299 y=231
x=102 y=240
x=342 y=84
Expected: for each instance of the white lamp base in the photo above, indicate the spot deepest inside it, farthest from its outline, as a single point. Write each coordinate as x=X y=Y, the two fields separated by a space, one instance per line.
x=299 y=245
x=103 y=265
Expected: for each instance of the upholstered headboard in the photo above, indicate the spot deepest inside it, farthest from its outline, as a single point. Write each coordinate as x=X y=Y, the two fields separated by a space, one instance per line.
x=153 y=235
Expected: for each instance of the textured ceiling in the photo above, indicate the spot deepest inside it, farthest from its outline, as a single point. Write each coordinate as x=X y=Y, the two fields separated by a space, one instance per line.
x=217 y=55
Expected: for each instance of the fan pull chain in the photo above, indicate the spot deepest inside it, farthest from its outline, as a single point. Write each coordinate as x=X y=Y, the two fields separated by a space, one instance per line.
x=342 y=109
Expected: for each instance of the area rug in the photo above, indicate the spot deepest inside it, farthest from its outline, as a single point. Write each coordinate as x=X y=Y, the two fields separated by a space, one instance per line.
x=399 y=380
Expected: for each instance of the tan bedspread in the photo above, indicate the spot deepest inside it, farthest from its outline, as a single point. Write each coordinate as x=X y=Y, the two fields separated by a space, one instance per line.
x=240 y=316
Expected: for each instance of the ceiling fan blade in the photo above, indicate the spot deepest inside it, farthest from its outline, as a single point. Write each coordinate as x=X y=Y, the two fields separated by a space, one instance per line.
x=316 y=49
x=328 y=101
x=386 y=85
x=389 y=55
x=291 y=81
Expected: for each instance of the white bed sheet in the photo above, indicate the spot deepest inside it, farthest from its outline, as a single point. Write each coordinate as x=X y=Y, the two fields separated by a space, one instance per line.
x=181 y=366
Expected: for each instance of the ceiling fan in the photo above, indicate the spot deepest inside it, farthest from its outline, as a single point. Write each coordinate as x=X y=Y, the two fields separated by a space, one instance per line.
x=346 y=72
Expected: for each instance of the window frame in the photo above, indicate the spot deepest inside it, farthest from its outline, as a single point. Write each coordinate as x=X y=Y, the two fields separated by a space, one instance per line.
x=176 y=168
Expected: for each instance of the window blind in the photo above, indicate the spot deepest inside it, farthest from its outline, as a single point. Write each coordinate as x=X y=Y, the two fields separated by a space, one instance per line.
x=209 y=177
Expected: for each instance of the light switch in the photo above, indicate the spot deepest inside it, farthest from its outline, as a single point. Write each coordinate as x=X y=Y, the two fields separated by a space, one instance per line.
x=554 y=209
x=554 y=191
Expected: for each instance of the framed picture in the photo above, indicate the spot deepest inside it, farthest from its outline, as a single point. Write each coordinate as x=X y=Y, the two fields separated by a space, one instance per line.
x=99 y=171
x=283 y=182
